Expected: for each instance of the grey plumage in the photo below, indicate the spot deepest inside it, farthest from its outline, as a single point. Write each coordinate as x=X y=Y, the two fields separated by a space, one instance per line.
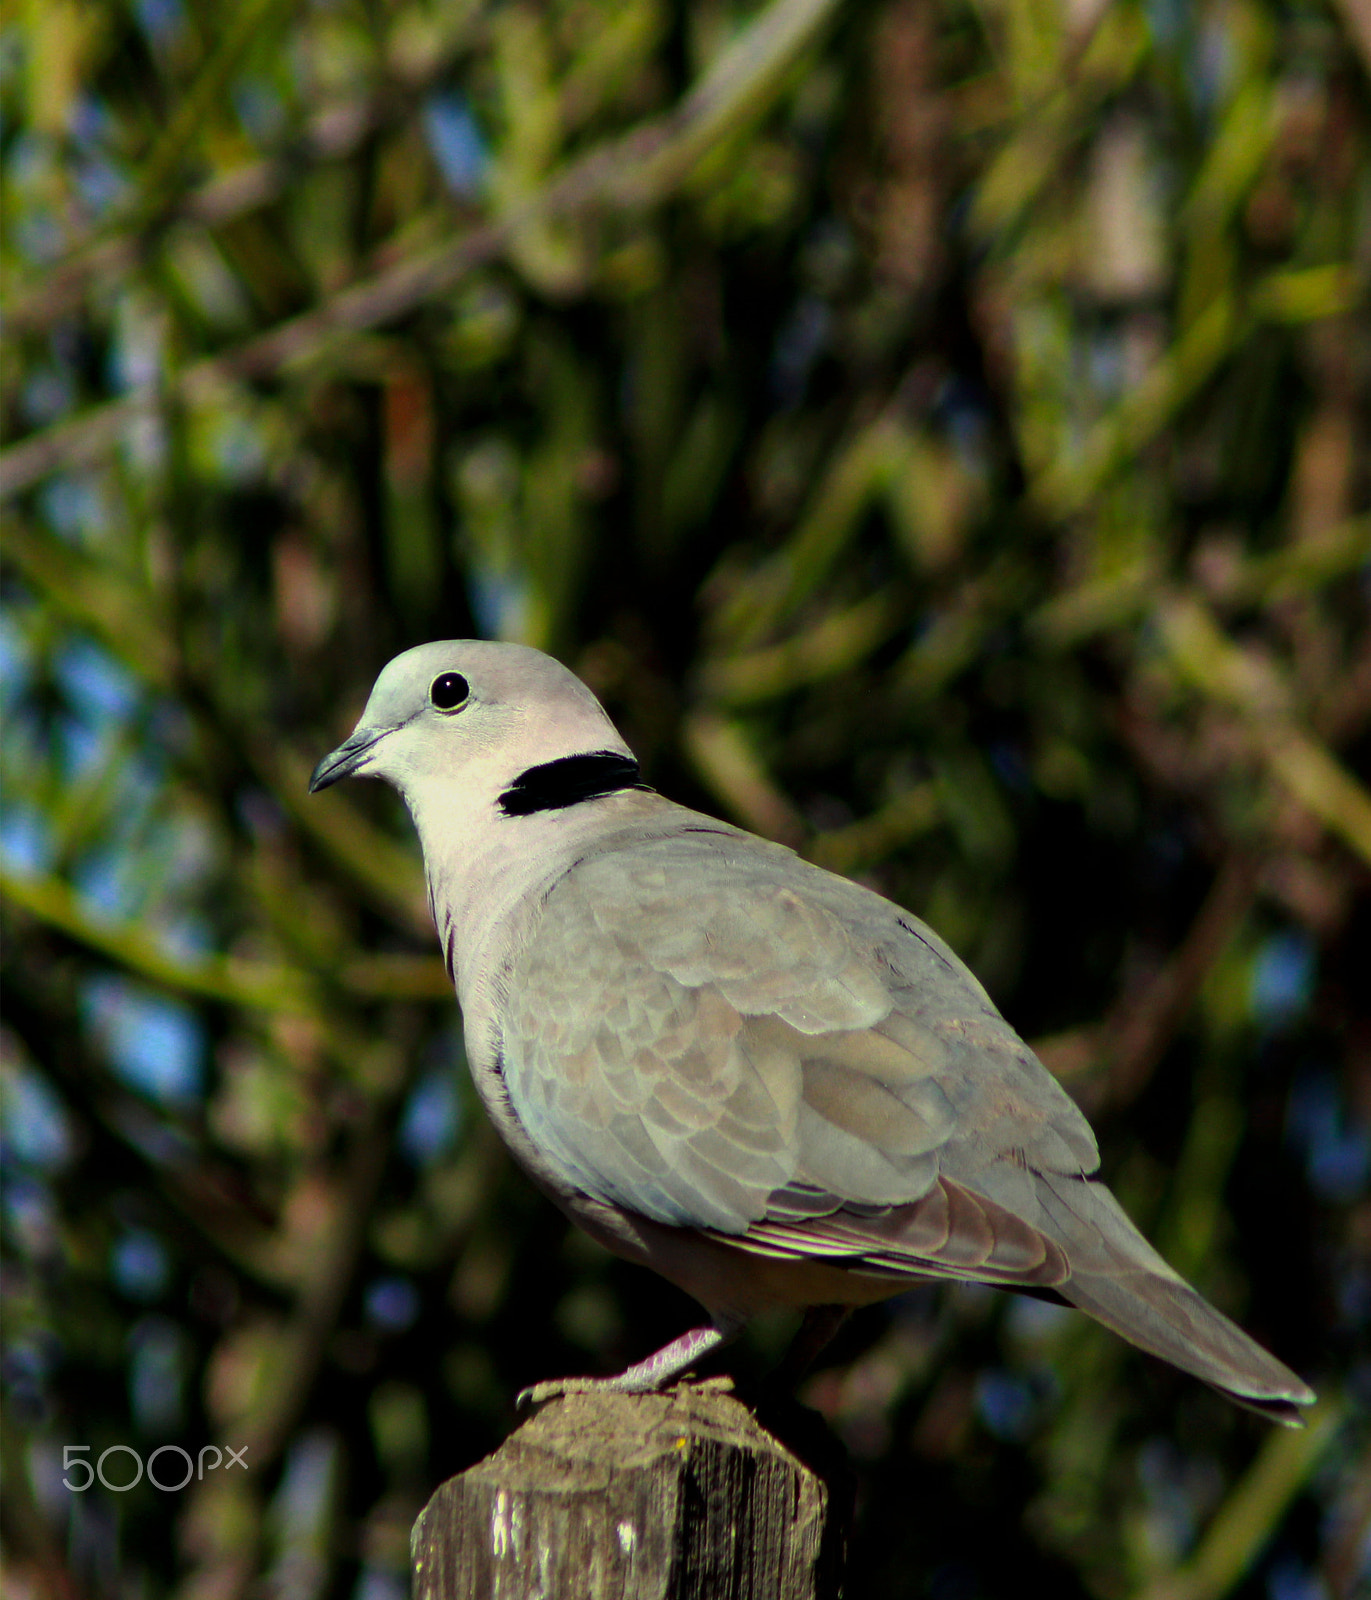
x=770 y=1084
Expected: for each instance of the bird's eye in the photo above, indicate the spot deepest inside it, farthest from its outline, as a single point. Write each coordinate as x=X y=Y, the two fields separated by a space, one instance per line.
x=448 y=691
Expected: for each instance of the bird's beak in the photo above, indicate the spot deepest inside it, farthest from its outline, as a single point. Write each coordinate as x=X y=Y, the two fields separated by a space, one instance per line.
x=348 y=758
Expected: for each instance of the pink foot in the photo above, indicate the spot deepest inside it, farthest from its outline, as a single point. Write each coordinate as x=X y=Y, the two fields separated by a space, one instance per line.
x=654 y=1373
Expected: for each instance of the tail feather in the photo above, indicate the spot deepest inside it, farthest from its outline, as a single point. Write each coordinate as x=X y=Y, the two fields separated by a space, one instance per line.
x=1168 y=1319
x=1117 y=1278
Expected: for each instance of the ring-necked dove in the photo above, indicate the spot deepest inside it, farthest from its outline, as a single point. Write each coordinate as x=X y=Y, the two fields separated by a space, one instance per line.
x=764 y=1081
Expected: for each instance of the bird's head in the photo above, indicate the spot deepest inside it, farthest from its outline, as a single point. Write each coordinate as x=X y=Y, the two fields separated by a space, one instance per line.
x=471 y=713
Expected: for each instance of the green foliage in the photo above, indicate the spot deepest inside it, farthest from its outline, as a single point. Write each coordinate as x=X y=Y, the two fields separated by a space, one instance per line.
x=940 y=433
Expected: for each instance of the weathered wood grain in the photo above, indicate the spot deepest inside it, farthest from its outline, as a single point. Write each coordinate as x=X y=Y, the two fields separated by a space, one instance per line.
x=675 y=1496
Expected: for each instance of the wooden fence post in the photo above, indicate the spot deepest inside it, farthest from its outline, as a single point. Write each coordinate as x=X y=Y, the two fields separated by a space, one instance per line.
x=674 y=1496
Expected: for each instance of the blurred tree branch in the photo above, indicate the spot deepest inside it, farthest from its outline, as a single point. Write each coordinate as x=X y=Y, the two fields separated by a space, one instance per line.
x=229 y=979
x=1207 y=659
x=1243 y=1524
x=331 y=133
x=938 y=432
x=636 y=172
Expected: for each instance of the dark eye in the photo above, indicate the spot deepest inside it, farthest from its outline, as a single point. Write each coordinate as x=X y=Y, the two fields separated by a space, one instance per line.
x=448 y=691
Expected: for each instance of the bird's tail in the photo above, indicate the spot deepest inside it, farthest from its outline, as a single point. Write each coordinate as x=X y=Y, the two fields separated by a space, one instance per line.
x=1117 y=1278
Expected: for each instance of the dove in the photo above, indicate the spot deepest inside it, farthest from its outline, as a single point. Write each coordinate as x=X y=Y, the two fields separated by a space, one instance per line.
x=769 y=1084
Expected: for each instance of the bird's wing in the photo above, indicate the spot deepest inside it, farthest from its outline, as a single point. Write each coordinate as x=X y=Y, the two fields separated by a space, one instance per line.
x=707 y=1031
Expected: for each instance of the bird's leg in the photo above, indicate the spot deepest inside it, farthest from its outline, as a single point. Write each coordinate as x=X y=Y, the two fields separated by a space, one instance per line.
x=655 y=1373
x=818 y=1328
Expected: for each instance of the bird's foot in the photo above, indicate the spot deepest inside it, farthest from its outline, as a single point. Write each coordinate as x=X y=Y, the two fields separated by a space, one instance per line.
x=660 y=1369
x=538 y=1394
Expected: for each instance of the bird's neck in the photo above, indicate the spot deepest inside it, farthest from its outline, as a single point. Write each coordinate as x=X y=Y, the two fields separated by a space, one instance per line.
x=489 y=869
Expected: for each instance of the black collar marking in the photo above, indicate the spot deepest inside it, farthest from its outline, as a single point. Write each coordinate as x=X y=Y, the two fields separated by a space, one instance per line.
x=558 y=784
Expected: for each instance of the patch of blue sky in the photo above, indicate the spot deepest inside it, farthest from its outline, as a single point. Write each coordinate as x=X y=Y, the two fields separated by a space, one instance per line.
x=30 y=1214
x=26 y=1384
x=1352 y=1291
x=967 y=427
x=307 y=1488
x=432 y=1117
x=37 y=235
x=1290 y=1579
x=392 y=1304
x=135 y=355
x=1165 y=18
x=1006 y=1404
x=72 y=507
x=170 y=729
x=89 y=121
x=35 y=1354
x=1212 y=63
x=154 y=1045
x=1282 y=982
x=16 y=657
x=46 y=1472
x=238 y=448
x=1105 y=363
x=98 y=688
x=108 y=887
x=145 y=446
x=33 y=1121
x=30 y=160
x=26 y=839
x=1175 y=1492
x=82 y=747
x=132 y=811
x=186 y=936
x=380 y=1583
x=48 y=391
x=194 y=850
x=161 y=20
x=144 y=863
x=1033 y=1321
x=1335 y=1147
x=457 y=143
x=501 y=602
x=100 y=184
x=140 y=1265
x=260 y=109
x=158 y=1362
x=35 y=225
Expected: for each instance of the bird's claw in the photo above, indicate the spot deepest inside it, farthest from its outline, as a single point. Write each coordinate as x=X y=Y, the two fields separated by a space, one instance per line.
x=538 y=1394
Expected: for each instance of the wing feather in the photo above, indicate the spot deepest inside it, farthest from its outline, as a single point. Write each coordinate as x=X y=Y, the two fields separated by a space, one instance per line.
x=706 y=1031
x=948 y=1233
